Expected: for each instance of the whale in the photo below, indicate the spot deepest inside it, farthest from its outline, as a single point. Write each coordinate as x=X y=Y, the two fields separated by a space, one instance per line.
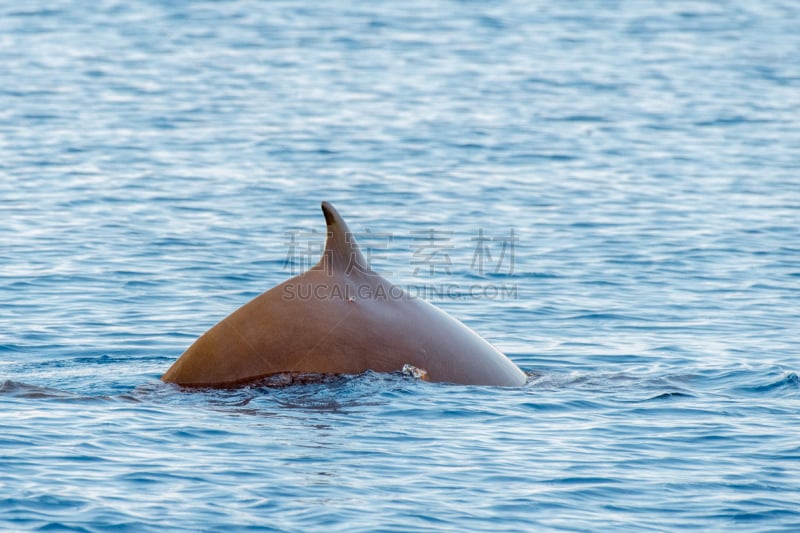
x=340 y=317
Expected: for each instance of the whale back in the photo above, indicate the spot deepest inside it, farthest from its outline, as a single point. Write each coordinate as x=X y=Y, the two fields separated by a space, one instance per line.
x=340 y=317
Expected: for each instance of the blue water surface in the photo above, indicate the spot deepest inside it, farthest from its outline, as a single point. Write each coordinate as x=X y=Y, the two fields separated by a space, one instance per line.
x=614 y=188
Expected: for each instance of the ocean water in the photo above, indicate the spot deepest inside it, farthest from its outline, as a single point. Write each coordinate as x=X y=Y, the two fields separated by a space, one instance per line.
x=607 y=191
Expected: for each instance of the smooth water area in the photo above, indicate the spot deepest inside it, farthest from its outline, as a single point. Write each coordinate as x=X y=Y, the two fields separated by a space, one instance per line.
x=609 y=192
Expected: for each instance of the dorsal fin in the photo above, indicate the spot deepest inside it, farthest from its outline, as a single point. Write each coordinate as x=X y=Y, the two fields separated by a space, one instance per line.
x=341 y=249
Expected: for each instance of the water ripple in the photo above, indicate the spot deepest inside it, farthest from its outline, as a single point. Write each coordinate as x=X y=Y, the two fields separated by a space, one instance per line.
x=644 y=155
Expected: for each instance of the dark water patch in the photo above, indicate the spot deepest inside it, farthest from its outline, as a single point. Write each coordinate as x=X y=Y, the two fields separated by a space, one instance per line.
x=22 y=390
x=788 y=383
x=670 y=396
x=605 y=316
